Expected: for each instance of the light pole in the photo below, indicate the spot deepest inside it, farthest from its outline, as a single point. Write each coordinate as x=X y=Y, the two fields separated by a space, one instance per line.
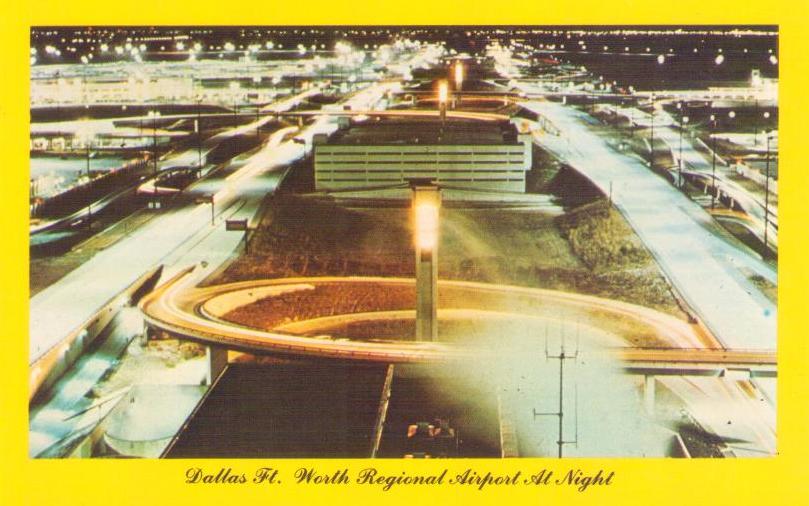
x=652 y=136
x=683 y=122
x=256 y=84
x=767 y=193
x=661 y=59
x=458 y=80
x=234 y=90
x=766 y=117
x=198 y=128
x=731 y=115
x=154 y=115
x=713 y=160
x=426 y=205
x=442 y=101
x=89 y=189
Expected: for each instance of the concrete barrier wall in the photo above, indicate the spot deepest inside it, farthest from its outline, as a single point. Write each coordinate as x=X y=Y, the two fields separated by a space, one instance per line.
x=48 y=368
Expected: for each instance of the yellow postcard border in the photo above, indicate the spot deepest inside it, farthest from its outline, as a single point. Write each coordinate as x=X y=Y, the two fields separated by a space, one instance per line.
x=783 y=479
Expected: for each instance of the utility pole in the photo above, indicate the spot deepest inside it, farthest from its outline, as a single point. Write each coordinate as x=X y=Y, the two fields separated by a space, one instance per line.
x=561 y=357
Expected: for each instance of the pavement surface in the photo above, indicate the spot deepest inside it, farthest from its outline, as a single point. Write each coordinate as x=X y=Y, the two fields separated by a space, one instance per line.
x=710 y=273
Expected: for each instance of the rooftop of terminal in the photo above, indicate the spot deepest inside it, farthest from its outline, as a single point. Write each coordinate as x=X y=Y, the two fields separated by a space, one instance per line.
x=425 y=131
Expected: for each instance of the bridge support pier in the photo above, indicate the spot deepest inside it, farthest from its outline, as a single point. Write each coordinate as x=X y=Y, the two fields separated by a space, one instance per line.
x=144 y=337
x=649 y=393
x=216 y=359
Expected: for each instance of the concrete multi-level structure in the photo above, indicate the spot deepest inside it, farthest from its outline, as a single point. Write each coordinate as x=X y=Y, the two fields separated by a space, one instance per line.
x=470 y=154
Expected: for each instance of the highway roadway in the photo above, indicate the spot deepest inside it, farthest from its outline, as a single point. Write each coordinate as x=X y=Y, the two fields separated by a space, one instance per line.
x=191 y=157
x=180 y=235
x=720 y=387
x=195 y=313
x=695 y=161
x=405 y=113
x=710 y=273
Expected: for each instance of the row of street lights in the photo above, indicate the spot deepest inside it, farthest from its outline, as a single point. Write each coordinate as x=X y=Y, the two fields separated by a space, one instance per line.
x=683 y=122
x=768 y=133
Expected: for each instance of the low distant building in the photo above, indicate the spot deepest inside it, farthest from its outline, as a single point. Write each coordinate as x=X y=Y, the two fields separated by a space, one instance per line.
x=470 y=154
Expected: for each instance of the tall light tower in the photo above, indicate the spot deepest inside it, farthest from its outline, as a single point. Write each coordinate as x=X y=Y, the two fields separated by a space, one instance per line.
x=458 y=81
x=443 y=95
x=426 y=204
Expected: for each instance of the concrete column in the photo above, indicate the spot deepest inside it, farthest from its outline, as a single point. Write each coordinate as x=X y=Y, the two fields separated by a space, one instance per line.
x=426 y=296
x=144 y=337
x=649 y=393
x=426 y=203
x=527 y=146
x=217 y=360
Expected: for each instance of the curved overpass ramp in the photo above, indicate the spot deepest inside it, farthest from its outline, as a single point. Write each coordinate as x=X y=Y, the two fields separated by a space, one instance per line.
x=196 y=314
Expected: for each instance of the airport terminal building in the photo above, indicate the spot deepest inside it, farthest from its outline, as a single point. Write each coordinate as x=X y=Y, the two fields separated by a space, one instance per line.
x=470 y=154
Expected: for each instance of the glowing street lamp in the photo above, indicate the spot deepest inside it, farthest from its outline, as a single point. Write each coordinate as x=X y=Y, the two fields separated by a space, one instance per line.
x=426 y=214
x=426 y=205
x=458 y=75
x=458 y=79
x=443 y=95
